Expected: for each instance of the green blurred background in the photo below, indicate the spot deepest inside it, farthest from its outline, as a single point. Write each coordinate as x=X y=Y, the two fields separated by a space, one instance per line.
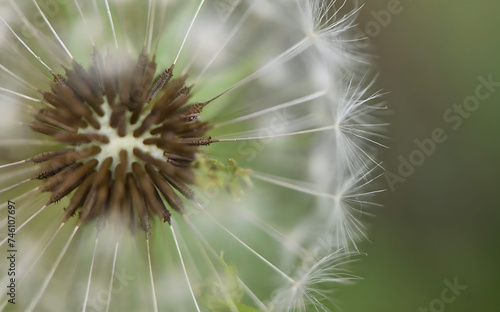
x=442 y=222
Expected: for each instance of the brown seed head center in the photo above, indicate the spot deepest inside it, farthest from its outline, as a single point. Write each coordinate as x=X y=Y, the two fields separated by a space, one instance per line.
x=131 y=139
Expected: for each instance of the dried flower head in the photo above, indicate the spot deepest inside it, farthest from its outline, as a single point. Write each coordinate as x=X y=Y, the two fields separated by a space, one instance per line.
x=182 y=155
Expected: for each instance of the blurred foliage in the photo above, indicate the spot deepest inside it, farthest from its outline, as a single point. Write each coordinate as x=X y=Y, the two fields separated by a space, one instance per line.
x=230 y=177
x=225 y=293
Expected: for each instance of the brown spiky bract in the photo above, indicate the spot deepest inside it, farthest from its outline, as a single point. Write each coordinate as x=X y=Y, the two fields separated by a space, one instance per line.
x=131 y=185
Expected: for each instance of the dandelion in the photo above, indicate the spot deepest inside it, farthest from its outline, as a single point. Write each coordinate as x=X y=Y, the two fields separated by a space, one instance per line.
x=168 y=155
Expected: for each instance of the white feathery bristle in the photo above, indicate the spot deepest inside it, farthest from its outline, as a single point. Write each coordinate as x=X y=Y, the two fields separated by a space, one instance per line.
x=314 y=284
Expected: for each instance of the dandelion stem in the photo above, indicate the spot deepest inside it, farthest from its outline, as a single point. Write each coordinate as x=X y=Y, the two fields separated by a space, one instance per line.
x=85 y=22
x=15 y=185
x=150 y=24
x=108 y=304
x=90 y=275
x=43 y=251
x=235 y=30
x=320 y=129
x=226 y=294
x=96 y=8
x=52 y=29
x=162 y=18
x=189 y=30
x=14 y=164
x=254 y=297
x=25 y=222
x=200 y=237
x=35 y=301
x=20 y=95
x=289 y=54
x=16 y=142
x=27 y=47
x=223 y=22
x=45 y=41
x=184 y=268
x=110 y=16
x=290 y=185
x=10 y=73
x=155 y=302
x=277 y=235
x=267 y=262
x=20 y=197
x=298 y=101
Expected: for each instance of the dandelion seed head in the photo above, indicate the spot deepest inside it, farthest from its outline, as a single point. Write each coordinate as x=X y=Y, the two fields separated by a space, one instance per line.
x=244 y=164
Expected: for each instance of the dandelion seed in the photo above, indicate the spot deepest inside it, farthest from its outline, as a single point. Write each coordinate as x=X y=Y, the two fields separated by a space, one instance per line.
x=183 y=155
x=312 y=286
